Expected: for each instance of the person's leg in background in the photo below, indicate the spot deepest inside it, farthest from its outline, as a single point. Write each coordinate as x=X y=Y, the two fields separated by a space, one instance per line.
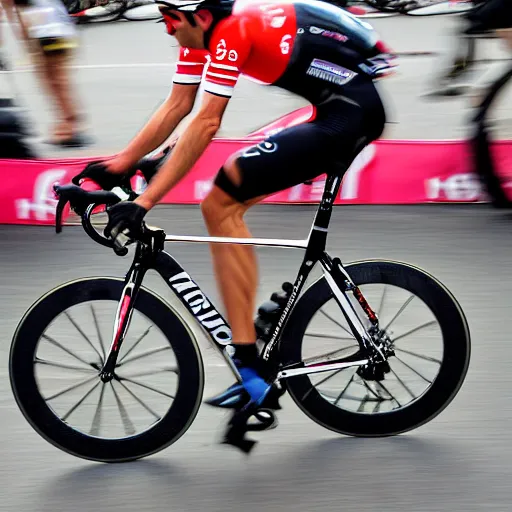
x=51 y=40
x=56 y=73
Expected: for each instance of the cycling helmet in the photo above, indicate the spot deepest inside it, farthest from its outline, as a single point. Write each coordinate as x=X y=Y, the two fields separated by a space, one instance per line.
x=191 y=6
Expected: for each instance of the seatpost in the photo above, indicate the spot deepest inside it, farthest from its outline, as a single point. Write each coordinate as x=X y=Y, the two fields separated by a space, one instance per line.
x=318 y=235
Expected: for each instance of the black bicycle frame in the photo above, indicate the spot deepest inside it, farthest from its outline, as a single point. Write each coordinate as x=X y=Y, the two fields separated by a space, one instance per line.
x=218 y=330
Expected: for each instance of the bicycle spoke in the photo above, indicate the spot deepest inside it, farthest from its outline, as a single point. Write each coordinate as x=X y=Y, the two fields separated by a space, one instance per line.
x=96 y=421
x=381 y=305
x=426 y=358
x=403 y=383
x=129 y=428
x=62 y=347
x=136 y=343
x=154 y=372
x=100 y=338
x=80 y=402
x=144 y=354
x=416 y=329
x=71 y=388
x=362 y=404
x=413 y=370
x=145 y=386
x=400 y=311
x=84 y=336
x=62 y=365
x=391 y=395
x=336 y=322
x=140 y=401
x=327 y=336
x=345 y=389
x=368 y=388
x=328 y=354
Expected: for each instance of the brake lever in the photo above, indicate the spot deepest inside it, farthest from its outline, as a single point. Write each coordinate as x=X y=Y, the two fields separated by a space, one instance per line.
x=58 y=213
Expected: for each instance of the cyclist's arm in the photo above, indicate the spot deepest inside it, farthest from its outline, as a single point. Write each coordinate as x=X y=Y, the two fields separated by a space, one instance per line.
x=163 y=122
x=190 y=146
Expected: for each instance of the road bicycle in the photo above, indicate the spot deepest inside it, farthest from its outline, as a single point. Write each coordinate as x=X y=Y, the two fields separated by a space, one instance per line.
x=385 y=385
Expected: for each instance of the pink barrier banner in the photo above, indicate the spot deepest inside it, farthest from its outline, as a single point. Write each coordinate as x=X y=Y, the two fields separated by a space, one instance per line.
x=385 y=172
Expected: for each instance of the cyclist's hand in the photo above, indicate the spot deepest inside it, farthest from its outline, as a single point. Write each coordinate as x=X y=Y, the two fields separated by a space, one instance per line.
x=125 y=217
x=105 y=174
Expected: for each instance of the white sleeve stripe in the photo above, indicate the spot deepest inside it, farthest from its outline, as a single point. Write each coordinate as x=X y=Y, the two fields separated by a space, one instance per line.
x=180 y=63
x=223 y=90
x=187 y=79
x=223 y=66
x=218 y=75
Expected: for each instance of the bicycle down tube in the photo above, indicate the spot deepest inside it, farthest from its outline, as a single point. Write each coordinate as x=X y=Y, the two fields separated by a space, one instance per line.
x=197 y=303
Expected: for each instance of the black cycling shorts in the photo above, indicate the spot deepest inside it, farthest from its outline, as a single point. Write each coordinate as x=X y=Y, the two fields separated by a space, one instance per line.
x=346 y=120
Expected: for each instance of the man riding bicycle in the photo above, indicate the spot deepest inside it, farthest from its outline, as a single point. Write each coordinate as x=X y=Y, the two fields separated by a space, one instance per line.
x=312 y=49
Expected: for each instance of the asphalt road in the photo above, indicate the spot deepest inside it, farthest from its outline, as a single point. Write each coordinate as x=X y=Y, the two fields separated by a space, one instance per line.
x=460 y=461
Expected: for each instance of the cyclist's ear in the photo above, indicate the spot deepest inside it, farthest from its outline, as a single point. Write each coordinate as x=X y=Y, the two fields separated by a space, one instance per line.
x=204 y=19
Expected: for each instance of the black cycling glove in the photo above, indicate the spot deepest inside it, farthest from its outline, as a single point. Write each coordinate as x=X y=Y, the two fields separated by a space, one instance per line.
x=97 y=172
x=125 y=217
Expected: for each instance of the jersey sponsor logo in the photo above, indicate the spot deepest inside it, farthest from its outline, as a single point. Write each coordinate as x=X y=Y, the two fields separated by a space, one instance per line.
x=278 y=21
x=221 y=50
x=330 y=72
x=201 y=308
x=328 y=33
x=262 y=147
x=186 y=51
x=285 y=45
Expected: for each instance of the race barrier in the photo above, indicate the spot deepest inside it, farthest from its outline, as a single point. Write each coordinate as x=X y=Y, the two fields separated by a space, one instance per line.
x=385 y=172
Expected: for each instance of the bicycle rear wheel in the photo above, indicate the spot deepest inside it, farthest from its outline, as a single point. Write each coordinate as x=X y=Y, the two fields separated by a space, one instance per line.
x=156 y=391
x=429 y=366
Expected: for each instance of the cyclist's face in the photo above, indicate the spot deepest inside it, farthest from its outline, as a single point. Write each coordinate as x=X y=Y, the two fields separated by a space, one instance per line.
x=180 y=27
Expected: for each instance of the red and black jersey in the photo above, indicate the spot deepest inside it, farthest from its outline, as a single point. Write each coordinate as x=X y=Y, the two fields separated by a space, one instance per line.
x=292 y=44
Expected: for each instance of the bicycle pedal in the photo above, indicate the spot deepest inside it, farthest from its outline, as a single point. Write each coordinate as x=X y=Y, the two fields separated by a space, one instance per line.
x=266 y=420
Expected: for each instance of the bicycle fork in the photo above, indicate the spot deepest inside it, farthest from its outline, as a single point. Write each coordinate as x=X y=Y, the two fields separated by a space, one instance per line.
x=123 y=316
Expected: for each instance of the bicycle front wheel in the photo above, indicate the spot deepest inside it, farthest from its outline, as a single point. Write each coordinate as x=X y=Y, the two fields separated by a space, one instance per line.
x=419 y=320
x=59 y=349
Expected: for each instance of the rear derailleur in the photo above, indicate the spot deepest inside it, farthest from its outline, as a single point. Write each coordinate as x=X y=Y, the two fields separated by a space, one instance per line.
x=377 y=367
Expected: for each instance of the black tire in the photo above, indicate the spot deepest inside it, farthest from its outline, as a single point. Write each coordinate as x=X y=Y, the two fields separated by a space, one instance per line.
x=174 y=422
x=451 y=374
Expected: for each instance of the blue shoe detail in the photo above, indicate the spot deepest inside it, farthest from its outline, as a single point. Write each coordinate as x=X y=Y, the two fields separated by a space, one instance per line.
x=254 y=384
x=232 y=398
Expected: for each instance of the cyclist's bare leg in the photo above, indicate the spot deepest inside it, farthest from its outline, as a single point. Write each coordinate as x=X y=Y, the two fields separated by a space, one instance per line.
x=235 y=266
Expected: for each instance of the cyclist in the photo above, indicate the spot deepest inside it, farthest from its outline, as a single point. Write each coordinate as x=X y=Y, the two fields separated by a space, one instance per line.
x=487 y=16
x=311 y=48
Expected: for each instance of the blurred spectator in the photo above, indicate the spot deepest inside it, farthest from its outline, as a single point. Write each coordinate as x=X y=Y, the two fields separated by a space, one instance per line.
x=50 y=36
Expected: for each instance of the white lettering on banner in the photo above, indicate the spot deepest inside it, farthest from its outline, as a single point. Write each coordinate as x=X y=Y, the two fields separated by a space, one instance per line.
x=457 y=187
x=202 y=188
x=43 y=203
x=201 y=308
x=350 y=185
